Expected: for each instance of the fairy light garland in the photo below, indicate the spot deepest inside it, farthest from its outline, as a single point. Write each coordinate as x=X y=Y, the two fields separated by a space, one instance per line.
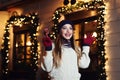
x=100 y=7
x=19 y=21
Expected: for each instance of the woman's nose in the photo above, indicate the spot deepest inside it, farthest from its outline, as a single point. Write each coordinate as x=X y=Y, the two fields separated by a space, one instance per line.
x=68 y=30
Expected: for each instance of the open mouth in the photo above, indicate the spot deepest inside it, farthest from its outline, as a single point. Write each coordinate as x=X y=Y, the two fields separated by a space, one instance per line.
x=68 y=35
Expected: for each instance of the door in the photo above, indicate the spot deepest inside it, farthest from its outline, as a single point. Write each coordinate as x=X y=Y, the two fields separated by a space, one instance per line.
x=22 y=45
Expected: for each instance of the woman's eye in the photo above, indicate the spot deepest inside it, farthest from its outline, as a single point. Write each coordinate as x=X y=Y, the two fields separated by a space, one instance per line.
x=71 y=28
x=63 y=28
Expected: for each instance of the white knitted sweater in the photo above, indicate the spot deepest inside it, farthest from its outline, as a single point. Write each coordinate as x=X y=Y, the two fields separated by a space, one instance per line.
x=68 y=69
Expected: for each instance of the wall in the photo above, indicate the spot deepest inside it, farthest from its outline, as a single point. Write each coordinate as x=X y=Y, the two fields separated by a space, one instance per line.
x=3 y=18
x=112 y=29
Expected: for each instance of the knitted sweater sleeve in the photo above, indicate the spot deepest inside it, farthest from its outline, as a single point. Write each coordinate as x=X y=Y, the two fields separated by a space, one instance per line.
x=85 y=59
x=47 y=63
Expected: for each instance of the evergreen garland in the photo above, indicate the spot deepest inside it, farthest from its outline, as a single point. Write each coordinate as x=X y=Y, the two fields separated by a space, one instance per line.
x=100 y=7
x=31 y=19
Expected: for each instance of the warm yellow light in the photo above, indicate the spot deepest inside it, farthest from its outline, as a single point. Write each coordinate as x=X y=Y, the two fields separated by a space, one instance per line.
x=94 y=34
x=16 y=45
x=86 y=22
x=61 y=18
x=107 y=66
x=28 y=43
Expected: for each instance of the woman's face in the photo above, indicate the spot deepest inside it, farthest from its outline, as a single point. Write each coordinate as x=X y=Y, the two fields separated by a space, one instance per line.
x=67 y=31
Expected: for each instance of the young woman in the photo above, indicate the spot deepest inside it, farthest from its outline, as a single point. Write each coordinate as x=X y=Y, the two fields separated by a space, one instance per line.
x=63 y=59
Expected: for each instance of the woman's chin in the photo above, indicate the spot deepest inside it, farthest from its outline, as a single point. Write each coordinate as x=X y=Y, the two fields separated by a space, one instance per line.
x=68 y=38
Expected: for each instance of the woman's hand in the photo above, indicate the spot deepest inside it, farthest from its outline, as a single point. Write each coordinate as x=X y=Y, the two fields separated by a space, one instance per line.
x=89 y=39
x=46 y=40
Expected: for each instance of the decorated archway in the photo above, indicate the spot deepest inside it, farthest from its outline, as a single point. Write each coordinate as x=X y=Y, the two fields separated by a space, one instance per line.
x=19 y=21
x=91 y=5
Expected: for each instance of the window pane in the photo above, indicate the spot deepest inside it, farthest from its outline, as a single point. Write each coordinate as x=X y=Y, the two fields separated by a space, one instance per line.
x=20 y=40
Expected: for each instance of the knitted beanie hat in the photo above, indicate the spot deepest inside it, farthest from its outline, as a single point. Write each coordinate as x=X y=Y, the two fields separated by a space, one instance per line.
x=62 y=23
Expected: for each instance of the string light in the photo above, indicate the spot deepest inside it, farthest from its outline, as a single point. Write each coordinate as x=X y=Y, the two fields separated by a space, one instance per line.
x=92 y=4
x=19 y=21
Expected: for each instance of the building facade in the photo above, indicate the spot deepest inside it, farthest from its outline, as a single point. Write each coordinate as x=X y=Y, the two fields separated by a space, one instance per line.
x=45 y=10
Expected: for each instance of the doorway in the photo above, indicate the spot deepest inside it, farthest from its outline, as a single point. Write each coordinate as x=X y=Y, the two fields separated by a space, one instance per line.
x=24 y=48
x=21 y=49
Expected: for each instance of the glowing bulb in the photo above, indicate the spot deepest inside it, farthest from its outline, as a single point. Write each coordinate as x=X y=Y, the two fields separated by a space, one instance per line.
x=16 y=45
x=85 y=36
x=94 y=34
x=28 y=43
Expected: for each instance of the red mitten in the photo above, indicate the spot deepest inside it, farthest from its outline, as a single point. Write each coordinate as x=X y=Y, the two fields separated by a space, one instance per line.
x=46 y=40
x=89 y=39
x=47 y=43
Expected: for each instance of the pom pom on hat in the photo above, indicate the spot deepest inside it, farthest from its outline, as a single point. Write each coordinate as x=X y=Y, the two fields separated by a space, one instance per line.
x=62 y=23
